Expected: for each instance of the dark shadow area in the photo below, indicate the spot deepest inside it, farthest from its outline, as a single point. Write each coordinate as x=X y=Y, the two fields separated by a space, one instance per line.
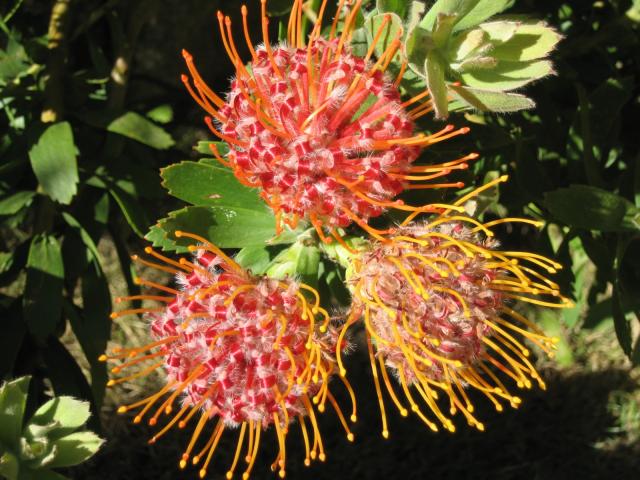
x=551 y=436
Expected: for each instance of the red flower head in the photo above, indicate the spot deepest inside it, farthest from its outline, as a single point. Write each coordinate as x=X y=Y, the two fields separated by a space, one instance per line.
x=245 y=351
x=322 y=132
x=435 y=300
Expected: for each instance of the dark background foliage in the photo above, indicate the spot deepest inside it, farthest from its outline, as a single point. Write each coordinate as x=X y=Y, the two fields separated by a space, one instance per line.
x=91 y=107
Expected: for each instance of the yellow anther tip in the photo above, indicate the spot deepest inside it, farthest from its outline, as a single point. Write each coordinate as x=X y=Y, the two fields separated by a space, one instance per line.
x=322 y=457
x=152 y=440
x=323 y=329
x=404 y=412
x=202 y=473
x=178 y=233
x=499 y=408
x=343 y=372
x=122 y=409
x=480 y=427
x=152 y=422
x=354 y=418
x=229 y=475
x=351 y=437
x=111 y=383
x=245 y=475
x=313 y=455
x=321 y=408
x=385 y=434
x=137 y=419
x=102 y=358
x=307 y=462
x=282 y=474
x=182 y=464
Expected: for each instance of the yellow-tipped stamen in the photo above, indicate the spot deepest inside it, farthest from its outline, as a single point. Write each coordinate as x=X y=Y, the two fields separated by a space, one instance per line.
x=374 y=371
x=238 y=449
x=385 y=377
x=281 y=445
x=157 y=286
x=135 y=361
x=218 y=434
x=336 y=407
x=305 y=437
x=151 y=398
x=208 y=246
x=168 y=426
x=141 y=373
x=197 y=457
x=194 y=438
x=414 y=405
x=155 y=266
x=254 y=451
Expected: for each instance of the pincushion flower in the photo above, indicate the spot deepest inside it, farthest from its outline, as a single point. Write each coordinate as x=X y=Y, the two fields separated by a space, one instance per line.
x=436 y=300
x=239 y=351
x=322 y=132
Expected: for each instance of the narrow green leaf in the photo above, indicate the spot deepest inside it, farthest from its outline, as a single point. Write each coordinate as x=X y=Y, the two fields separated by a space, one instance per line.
x=69 y=413
x=42 y=302
x=489 y=101
x=75 y=448
x=203 y=184
x=13 y=398
x=14 y=203
x=443 y=28
x=161 y=114
x=435 y=69
x=53 y=159
x=135 y=126
x=484 y=10
x=592 y=208
x=134 y=214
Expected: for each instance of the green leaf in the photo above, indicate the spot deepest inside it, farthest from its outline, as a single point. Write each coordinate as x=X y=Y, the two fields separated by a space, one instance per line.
x=508 y=75
x=399 y=7
x=204 y=147
x=531 y=41
x=68 y=413
x=484 y=10
x=489 y=101
x=470 y=43
x=135 y=215
x=42 y=302
x=13 y=398
x=53 y=159
x=161 y=114
x=203 y=184
x=458 y=7
x=443 y=28
x=390 y=32
x=14 y=203
x=135 y=126
x=415 y=13
x=75 y=448
x=9 y=466
x=308 y=265
x=255 y=259
x=225 y=227
x=435 y=69
x=591 y=208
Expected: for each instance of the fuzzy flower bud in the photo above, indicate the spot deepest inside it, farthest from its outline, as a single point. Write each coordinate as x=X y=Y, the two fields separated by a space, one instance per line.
x=246 y=352
x=320 y=131
x=435 y=298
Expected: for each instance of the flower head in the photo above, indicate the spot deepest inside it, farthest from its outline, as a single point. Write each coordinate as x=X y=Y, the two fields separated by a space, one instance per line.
x=242 y=350
x=436 y=298
x=322 y=132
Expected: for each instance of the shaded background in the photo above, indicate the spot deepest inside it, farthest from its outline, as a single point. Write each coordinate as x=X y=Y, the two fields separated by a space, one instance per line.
x=124 y=56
